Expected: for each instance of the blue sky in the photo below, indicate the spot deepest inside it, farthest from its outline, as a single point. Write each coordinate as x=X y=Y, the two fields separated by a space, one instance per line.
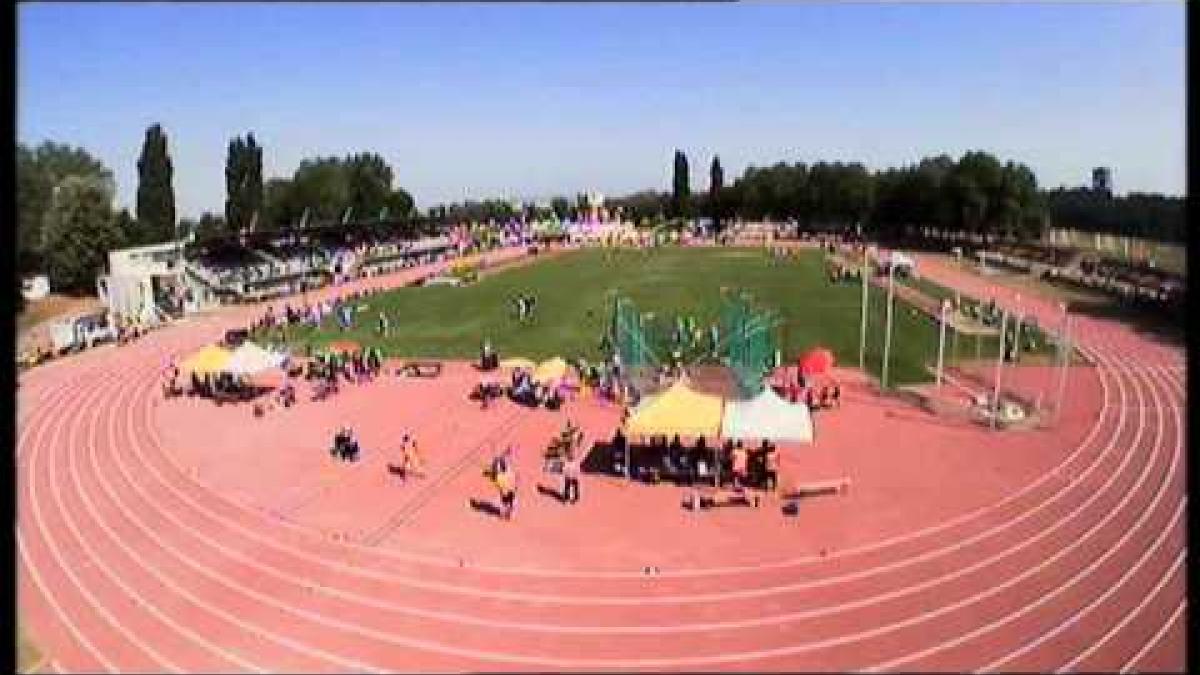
x=532 y=100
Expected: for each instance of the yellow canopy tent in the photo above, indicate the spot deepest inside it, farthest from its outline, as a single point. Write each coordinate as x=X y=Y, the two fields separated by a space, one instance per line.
x=551 y=370
x=517 y=362
x=211 y=359
x=678 y=410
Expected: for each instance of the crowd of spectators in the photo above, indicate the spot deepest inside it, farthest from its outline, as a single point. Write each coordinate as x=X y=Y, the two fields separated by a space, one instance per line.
x=284 y=266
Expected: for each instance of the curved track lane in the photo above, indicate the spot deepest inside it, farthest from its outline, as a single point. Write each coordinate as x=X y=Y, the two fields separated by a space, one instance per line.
x=131 y=562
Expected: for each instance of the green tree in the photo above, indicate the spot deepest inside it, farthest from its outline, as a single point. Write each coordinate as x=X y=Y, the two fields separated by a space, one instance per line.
x=210 y=226
x=279 y=204
x=155 y=194
x=243 y=183
x=369 y=182
x=328 y=186
x=642 y=206
x=561 y=206
x=321 y=186
x=402 y=209
x=977 y=192
x=716 y=184
x=857 y=193
x=680 y=186
x=79 y=231
x=39 y=171
x=131 y=231
x=400 y=204
x=186 y=227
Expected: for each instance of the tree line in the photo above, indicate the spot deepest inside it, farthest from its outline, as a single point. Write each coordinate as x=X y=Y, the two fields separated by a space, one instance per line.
x=67 y=222
x=1150 y=216
x=977 y=194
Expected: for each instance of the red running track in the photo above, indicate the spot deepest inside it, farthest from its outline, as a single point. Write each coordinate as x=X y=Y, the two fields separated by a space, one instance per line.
x=163 y=536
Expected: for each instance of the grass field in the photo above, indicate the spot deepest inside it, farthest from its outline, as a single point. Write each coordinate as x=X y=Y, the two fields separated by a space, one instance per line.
x=966 y=347
x=28 y=655
x=573 y=294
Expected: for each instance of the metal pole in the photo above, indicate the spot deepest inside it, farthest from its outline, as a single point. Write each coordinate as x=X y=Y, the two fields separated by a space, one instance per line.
x=1017 y=337
x=942 y=341
x=1020 y=314
x=1064 y=345
x=887 y=339
x=862 y=337
x=999 y=366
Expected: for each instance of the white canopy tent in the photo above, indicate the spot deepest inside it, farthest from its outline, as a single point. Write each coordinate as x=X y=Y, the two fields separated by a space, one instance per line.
x=250 y=359
x=767 y=416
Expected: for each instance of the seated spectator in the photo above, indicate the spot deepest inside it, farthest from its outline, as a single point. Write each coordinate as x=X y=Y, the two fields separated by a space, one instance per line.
x=771 y=464
x=756 y=464
x=621 y=450
x=523 y=392
x=675 y=452
x=740 y=465
x=701 y=455
x=553 y=398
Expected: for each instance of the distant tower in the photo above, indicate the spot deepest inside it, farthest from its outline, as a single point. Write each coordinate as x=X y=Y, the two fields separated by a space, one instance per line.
x=1102 y=180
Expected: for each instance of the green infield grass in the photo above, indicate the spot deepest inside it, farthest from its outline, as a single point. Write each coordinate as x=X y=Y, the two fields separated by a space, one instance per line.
x=574 y=293
x=28 y=655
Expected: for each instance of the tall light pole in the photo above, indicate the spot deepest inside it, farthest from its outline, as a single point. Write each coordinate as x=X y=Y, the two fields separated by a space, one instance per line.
x=862 y=336
x=887 y=338
x=1017 y=332
x=999 y=366
x=942 y=340
x=1064 y=346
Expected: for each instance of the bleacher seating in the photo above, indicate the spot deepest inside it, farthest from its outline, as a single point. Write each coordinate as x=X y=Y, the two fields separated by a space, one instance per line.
x=286 y=265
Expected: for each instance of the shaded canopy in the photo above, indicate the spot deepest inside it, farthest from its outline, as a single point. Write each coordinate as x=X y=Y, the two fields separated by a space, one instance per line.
x=518 y=362
x=551 y=370
x=816 y=361
x=767 y=416
x=211 y=359
x=678 y=410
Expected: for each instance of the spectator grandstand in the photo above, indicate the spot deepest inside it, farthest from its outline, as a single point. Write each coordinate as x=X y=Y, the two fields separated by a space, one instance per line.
x=266 y=265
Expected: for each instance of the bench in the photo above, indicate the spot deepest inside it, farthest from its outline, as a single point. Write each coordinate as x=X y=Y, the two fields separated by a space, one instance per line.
x=838 y=486
x=420 y=369
x=707 y=498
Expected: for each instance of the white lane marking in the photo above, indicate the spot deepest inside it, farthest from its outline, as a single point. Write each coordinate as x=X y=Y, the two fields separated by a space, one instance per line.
x=299 y=647
x=792 y=649
x=1062 y=552
x=99 y=520
x=37 y=577
x=90 y=401
x=1166 y=577
x=641 y=600
x=812 y=559
x=628 y=629
x=1162 y=409
x=1128 y=667
x=71 y=627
